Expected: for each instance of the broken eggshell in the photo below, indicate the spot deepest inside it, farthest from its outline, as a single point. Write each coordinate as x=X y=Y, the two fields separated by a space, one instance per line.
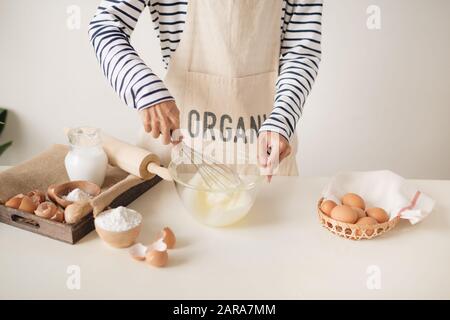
x=168 y=237
x=157 y=255
x=28 y=205
x=46 y=210
x=22 y=202
x=59 y=216
x=15 y=201
x=37 y=196
x=138 y=251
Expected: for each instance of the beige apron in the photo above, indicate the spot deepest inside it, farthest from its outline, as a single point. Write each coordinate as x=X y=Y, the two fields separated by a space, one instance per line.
x=223 y=73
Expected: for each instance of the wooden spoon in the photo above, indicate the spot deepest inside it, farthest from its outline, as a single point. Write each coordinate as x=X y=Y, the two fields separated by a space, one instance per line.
x=57 y=192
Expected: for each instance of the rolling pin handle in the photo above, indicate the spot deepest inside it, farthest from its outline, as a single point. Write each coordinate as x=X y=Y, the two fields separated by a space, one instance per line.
x=159 y=171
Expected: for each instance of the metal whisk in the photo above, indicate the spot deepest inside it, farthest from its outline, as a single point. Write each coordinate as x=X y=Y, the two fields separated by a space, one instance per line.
x=217 y=176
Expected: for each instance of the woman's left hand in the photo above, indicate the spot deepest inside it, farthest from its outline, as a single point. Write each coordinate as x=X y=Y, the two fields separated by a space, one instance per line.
x=272 y=149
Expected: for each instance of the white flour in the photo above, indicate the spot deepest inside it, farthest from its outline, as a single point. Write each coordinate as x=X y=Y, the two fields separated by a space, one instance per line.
x=77 y=195
x=118 y=219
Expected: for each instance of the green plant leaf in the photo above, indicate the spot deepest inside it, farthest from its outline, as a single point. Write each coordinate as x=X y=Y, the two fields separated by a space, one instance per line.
x=5 y=146
x=3 y=114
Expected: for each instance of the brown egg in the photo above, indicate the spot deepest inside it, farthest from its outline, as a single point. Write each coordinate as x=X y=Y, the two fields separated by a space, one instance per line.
x=76 y=211
x=15 y=201
x=361 y=213
x=353 y=200
x=364 y=222
x=327 y=206
x=27 y=205
x=168 y=237
x=37 y=196
x=46 y=210
x=157 y=258
x=344 y=214
x=378 y=214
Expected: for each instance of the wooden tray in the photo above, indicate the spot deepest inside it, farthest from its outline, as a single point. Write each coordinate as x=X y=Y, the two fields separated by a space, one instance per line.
x=70 y=233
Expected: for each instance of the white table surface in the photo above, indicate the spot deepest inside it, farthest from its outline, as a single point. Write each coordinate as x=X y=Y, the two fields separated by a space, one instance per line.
x=279 y=251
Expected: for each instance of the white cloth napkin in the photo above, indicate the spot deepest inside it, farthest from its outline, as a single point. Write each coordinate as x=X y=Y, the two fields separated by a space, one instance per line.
x=383 y=189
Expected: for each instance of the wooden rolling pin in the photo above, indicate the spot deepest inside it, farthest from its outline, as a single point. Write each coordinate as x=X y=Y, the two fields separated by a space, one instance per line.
x=132 y=159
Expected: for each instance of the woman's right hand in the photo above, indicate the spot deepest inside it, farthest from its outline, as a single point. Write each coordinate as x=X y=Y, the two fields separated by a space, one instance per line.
x=272 y=149
x=161 y=119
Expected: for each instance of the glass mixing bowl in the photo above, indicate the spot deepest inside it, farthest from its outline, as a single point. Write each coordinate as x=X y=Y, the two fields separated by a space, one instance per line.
x=217 y=208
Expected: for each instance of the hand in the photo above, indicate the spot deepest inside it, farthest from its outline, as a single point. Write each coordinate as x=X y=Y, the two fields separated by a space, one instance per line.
x=161 y=119
x=272 y=149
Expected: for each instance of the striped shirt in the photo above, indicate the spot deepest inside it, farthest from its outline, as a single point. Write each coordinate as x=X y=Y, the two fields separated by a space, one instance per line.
x=133 y=80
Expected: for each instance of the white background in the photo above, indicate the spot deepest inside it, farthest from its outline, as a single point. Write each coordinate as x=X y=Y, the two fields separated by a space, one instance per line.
x=382 y=99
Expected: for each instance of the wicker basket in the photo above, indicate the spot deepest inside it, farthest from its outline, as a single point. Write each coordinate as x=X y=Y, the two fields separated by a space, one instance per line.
x=353 y=231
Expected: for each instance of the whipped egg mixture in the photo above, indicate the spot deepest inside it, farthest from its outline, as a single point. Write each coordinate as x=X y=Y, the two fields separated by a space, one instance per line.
x=215 y=208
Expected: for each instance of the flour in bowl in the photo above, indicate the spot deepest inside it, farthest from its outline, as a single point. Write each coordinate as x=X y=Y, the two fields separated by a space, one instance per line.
x=77 y=195
x=118 y=219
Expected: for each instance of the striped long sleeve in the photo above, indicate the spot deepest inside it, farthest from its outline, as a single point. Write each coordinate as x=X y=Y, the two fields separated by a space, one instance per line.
x=299 y=64
x=127 y=73
x=169 y=17
x=139 y=87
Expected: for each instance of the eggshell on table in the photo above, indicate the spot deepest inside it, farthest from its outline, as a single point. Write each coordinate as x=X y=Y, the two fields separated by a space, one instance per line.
x=344 y=213
x=157 y=258
x=157 y=255
x=138 y=251
x=378 y=214
x=327 y=206
x=353 y=200
x=364 y=222
x=168 y=237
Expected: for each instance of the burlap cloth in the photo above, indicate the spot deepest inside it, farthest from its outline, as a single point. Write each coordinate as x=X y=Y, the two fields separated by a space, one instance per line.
x=48 y=168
